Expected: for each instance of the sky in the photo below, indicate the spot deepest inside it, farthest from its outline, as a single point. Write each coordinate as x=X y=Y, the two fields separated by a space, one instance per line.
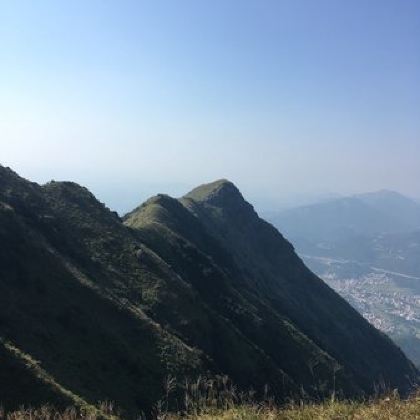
x=286 y=98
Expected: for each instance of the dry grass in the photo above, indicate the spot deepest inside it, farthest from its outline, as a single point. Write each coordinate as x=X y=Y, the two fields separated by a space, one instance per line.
x=205 y=399
x=385 y=408
x=105 y=411
x=390 y=407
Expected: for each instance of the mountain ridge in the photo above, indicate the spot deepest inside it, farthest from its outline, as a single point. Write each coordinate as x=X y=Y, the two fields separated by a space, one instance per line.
x=111 y=306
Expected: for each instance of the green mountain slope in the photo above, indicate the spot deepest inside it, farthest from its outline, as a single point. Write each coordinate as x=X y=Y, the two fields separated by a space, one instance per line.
x=268 y=293
x=269 y=262
x=183 y=287
x=65 y=297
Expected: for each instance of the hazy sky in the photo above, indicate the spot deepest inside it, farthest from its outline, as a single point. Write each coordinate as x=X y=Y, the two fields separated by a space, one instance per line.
x=283 y=97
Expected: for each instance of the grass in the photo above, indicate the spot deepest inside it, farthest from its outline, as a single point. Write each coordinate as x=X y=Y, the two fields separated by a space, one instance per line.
x=219 y=398
x=390 y=407
x=105 y=411
x=384 y=408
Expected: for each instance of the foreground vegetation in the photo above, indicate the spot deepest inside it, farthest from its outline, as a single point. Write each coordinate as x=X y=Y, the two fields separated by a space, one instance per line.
x=387 y=407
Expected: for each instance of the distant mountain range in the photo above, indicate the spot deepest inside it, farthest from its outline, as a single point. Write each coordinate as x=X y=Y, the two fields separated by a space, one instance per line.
x=94 y=307
x=338 y=220
x=367 y=244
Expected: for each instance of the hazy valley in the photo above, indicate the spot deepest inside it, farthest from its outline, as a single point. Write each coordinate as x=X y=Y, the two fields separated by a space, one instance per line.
x=367 y=248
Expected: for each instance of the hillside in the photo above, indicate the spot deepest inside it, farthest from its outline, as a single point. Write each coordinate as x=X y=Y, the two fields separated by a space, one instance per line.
x=70 y=282
x=395 y=205
x=267 y=286
x=96 y=308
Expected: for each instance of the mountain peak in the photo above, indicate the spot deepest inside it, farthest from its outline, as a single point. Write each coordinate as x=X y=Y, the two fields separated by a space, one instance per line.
x=8 y=175
x=6 y=170
x=381 y=194
x=221 y=189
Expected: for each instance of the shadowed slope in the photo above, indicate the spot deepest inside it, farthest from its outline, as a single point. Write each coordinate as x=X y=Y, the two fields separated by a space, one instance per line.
x=184 y=287
x=254 y=278
x=268 y=260
x=67 y=303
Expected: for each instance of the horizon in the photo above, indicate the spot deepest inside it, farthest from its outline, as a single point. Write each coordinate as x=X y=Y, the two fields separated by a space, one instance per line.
x=288 y=100
x=299 y=200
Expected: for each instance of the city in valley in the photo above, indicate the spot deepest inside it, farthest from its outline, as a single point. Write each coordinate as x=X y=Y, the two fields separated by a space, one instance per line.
x=388 y=300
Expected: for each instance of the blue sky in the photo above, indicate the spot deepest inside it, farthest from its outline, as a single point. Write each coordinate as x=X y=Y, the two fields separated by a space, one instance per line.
x=284 y=97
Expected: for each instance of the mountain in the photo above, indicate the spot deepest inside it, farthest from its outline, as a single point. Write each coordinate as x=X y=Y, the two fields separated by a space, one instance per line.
x=69 y=302
x=367 y=247
x=345 y=223
x=395 y=205
x=94 y=307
